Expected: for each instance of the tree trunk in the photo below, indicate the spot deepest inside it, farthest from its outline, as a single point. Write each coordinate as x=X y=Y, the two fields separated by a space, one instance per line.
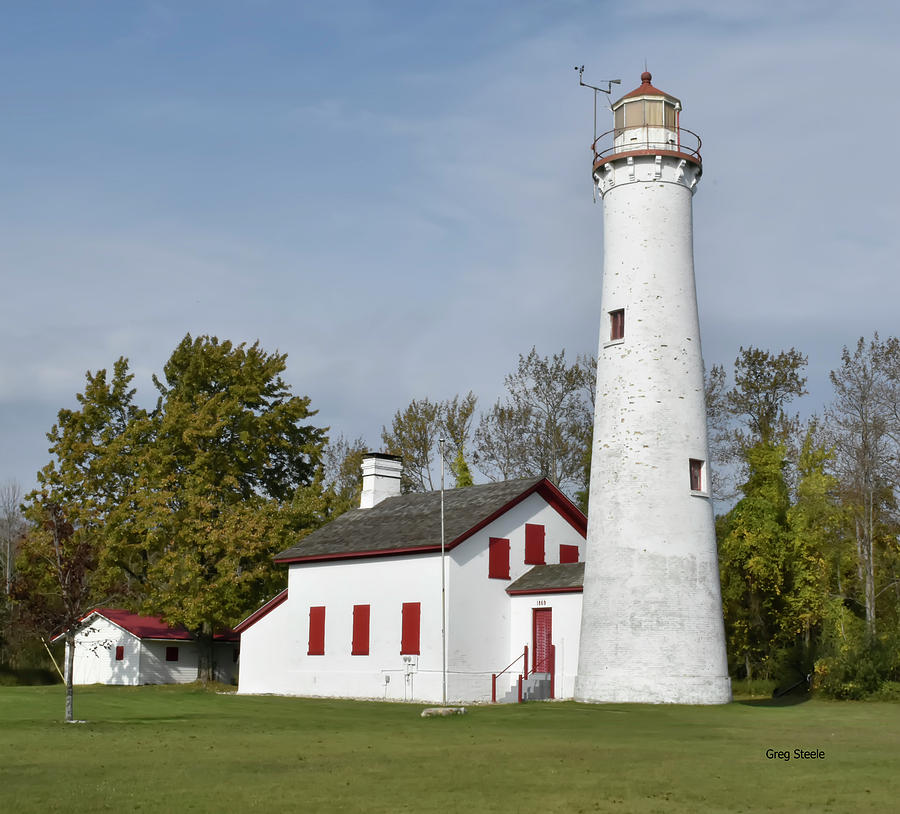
x=70 y=665
x=869 y=554
x=205 y=672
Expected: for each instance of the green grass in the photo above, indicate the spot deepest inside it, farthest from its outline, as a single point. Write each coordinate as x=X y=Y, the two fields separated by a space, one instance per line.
x=176 y=749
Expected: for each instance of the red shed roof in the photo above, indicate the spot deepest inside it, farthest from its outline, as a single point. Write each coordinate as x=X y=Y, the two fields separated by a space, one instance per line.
x=150 y=627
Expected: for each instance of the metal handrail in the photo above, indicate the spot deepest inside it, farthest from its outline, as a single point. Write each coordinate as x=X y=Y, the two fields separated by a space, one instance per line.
x=495 y=676
x=691 y=148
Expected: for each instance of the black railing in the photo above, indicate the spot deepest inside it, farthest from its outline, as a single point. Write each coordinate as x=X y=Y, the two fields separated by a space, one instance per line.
x=681 y=140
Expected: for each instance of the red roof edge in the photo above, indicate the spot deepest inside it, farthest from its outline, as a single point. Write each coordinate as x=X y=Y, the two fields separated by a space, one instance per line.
x=569 y=511
x=526 y=591
x=258 y=614
x=147 y=627
x=554 y=497
x=352 y=555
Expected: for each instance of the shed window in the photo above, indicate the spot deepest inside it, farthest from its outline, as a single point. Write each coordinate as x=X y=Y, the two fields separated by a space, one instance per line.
x=534 y=544
x=696 y=475
x=360 y=645
x=171 y=654
x=498 y=558
x=120 y=652
x=411 y=615
x=617 y=324
x=568 y=553
x=316 y=631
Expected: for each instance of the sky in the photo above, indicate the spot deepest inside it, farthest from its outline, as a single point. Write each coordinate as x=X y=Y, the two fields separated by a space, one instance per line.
x=397 y=195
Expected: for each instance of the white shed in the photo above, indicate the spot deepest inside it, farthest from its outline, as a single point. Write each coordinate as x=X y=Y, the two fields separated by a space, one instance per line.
x=114 y=646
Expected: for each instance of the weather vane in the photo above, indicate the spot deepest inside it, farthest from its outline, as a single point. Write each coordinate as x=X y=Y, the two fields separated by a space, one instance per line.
x=608 y=91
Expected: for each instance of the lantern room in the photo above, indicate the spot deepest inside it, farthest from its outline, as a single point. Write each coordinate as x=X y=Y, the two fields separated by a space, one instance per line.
x=647 y=120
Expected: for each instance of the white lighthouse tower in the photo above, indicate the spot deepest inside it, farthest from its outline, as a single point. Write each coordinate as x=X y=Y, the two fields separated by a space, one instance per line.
x=651 y=627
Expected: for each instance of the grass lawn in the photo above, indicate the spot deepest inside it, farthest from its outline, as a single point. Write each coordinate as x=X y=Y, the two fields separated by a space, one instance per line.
x=175 y=749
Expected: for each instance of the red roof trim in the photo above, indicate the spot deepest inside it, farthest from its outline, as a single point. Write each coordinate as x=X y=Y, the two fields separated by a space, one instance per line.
x=537 y=591
x=554 y=497
x=147 y=627
x=606 y=159
x=258 y=614
x=352 y=555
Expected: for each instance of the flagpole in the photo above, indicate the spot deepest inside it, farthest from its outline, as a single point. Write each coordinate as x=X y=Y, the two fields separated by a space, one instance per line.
x=443 y=591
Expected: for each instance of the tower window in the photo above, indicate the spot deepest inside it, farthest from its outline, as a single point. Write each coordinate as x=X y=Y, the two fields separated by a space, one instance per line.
x=696 y=475
x=617 y=324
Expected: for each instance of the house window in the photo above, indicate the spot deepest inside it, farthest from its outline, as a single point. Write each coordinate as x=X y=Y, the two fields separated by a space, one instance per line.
x=534 y=544
x=316 y=631
x=120 y=652
x=568 y=553
x=617 y=324
x=696 y=475
x=171 y=654
x=409 y=638
x=360 y=644
x=498 y=558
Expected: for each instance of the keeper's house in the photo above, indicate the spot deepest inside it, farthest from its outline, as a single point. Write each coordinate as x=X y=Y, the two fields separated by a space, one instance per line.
x=113 y=646
x=361 y=616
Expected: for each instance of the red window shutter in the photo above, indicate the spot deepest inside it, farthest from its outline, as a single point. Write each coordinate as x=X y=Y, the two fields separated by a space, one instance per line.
x=360 y=646
x=171 y=654
x=409 y=638
x=498 y=558
x=316 y=631
x=120 y=652
x=617 y=324
x=568 y=553
x=534 y=544
x=696 y=475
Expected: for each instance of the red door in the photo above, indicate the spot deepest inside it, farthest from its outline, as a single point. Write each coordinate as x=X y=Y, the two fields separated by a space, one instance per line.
x=542 y=624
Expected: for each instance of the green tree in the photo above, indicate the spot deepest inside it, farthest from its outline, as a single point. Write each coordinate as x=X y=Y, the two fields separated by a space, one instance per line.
x=753 y=546
x=342 y=476
x=227 y=475
x=461 y=471
x=816 y=524
x=764 y=385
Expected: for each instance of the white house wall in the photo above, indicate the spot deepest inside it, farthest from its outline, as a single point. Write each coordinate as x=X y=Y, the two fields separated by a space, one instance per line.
x=95 y=654
x=479 y=623
x=156 y=670
x=274 y=650
x=566 y=631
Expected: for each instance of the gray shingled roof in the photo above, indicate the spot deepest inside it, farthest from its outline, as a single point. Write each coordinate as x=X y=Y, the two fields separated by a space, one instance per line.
x=569 y=575
x=409 y=521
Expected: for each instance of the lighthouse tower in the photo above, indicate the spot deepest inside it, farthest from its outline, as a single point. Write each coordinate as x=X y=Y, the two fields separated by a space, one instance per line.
x=651 y=629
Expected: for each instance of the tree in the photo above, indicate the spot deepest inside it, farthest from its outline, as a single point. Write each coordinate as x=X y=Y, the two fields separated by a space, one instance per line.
x=413 y=435
x=12 y=527
x=456 y=417
x=860 y=421
x=54 y=584
x=764 y=384
x=227 y=474
x=543 y=426
x=461 y=471
x=753 y=546
x=58 y=573
x=342 y=473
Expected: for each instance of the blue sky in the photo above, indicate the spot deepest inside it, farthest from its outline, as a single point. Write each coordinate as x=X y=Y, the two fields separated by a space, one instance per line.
x=398 y=195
